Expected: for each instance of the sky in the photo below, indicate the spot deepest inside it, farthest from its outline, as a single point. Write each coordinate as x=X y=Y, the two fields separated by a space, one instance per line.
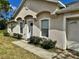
x=68 y=1
x=15 y=4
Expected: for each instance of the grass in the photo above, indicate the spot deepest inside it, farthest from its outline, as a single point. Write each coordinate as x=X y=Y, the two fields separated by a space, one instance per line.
x=11 y=51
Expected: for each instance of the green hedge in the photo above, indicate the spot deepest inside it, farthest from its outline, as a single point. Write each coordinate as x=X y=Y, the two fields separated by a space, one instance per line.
x=17 y=36
x=48 y=44
x=6 y=33
x=34 y=40
x=43 y=42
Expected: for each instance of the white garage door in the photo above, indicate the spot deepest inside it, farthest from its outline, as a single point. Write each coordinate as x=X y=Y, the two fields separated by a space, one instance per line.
x=73 y=33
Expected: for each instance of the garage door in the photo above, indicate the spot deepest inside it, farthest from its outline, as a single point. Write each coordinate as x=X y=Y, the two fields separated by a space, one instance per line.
x=73 y=33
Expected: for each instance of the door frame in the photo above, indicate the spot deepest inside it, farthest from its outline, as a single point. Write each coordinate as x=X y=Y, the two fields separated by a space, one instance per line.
x=28 y=27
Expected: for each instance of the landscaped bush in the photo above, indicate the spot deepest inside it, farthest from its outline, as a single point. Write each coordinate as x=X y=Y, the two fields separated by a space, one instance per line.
x=18 y=36
x=6 y=33
x=43 y=42
x=48 y=44
x=34 y=40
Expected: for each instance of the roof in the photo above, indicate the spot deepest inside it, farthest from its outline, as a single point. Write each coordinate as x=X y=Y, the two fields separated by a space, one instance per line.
x=72 y=2
x=12 y=21
x=18 y=9
x=22 y=3
x=55 y=1
x=70 y=8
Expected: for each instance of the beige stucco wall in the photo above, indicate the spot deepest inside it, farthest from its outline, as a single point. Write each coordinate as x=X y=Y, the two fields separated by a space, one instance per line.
x=36 y=28
x=40 y=5
x=24 y=12
x=21 y=14
x=9 y=29
x=56 y=28
x=33 y=7
x=71 y=14
x=40 y=17
x=56 y=22
x=16 y=29
x=57 y=31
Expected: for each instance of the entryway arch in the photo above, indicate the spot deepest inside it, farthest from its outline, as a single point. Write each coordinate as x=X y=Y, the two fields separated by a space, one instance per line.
x=20 y=24
x=29 y=20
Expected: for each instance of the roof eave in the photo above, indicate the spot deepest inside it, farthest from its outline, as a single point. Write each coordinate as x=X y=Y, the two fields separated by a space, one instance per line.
x=55 y=1
x=18 y=9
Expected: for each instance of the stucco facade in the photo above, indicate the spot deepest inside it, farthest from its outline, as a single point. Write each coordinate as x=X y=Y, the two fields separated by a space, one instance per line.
x=34 y=11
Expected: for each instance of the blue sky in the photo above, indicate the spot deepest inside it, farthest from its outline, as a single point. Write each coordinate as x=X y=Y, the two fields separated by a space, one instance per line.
x=68 y=1
x=15 y=4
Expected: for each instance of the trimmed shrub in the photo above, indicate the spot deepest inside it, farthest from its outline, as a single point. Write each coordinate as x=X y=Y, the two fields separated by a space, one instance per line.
x=48 y=44
x=17 y=36
x=6 y=34
x=43 y=39
x=34 y=40
x=43 y=42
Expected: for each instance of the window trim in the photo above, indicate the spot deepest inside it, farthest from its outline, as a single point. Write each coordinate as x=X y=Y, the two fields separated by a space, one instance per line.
x=41 y=27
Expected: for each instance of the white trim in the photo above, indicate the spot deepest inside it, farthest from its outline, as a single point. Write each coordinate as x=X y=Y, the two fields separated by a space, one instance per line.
x=40 y=26
x=65 y=18
x=30 y=19
x=55 y=11
x=69 y=16
x=62 y=4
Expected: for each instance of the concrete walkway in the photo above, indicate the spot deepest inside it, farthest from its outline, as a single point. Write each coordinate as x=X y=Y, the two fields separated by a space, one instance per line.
x=44 y=54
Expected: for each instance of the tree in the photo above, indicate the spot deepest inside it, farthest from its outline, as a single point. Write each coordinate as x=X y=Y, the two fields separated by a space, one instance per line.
x=4 y=6
x=3 y=24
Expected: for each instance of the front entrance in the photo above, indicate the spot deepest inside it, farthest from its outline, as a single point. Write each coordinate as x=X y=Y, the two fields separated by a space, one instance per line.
x=30 y=28
x=73 y=33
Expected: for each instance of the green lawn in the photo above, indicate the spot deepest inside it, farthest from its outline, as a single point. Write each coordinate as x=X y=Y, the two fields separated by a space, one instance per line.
x=10 y=51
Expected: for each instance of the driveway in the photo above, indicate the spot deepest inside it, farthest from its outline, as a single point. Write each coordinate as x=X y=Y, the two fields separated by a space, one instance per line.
x=74 y=45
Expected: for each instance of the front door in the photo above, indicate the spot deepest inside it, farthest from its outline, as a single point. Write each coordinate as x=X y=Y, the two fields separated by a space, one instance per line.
x=30 y=28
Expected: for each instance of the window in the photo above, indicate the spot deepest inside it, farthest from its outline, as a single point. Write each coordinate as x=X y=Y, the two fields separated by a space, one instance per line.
x=11 y=27
x=21 y=27
x=45 y=27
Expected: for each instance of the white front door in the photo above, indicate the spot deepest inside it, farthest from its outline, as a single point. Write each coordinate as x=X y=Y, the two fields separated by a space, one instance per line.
x=30 y=28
